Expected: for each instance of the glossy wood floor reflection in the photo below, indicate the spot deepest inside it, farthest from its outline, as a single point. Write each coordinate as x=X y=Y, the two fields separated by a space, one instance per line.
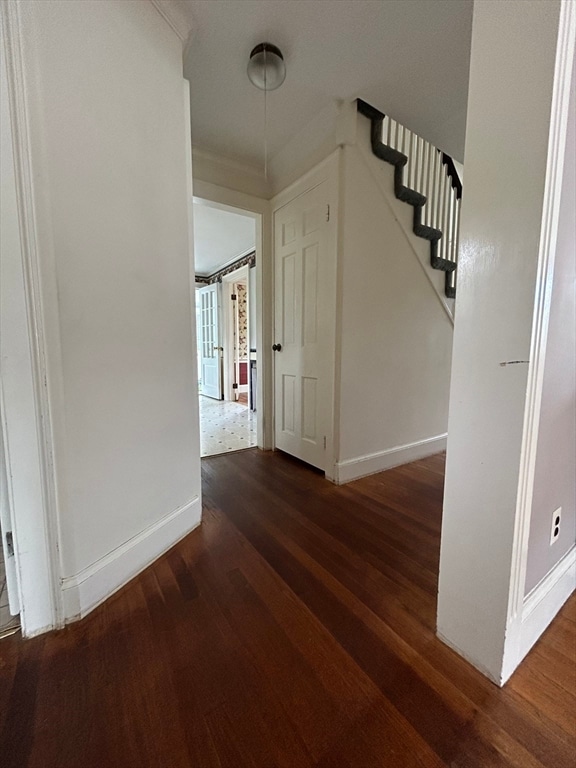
x=295 y=628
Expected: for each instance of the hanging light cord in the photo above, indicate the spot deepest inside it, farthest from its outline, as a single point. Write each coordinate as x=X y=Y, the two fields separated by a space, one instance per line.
x=257 y=71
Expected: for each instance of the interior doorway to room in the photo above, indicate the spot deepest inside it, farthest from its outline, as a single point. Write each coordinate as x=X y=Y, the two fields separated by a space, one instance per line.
x=225 y=265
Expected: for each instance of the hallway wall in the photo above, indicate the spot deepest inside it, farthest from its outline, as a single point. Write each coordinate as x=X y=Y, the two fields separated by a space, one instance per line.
x=105 y=99
x=554 y=482
x=396 y=333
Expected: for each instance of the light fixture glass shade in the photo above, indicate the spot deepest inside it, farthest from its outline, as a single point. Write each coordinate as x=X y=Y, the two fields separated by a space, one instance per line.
x=266 y=67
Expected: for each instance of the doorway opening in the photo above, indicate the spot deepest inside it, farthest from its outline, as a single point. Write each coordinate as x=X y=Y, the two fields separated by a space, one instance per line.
x=225 y=272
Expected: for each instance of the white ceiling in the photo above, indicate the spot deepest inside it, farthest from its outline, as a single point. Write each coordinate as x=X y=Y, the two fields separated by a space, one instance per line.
x=220 y=237
x=409 y=58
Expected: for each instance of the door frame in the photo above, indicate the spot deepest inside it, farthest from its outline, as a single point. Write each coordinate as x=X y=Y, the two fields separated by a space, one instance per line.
x=26 y=417
x=328 y=170
x=259 y=209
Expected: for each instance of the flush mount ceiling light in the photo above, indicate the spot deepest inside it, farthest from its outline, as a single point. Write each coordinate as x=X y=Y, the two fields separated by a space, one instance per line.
x=266 y=67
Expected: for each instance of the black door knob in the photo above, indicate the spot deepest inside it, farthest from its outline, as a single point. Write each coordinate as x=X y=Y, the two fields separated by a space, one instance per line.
x=276 y=347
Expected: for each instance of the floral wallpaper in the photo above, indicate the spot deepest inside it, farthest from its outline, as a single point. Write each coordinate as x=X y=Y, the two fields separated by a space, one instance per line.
x=242 y=321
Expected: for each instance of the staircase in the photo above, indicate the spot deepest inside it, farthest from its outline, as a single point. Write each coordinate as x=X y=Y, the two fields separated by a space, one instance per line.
x=426 y=179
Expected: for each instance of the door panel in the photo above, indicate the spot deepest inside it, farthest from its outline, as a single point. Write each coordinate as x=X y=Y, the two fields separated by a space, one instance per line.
x=210 y=373
x=310 y=294
x=304 y=283
x=289 y=298
x=309 y=409
x=288 y=404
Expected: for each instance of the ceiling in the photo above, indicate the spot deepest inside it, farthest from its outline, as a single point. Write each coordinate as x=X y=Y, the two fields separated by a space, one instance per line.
x=409 y=58
x=220 y=237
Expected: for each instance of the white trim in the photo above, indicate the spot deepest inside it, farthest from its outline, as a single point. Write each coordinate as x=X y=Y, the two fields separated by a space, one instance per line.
x=546 y=258
x=34 y=615
x=175 y=18
x=85 y=590
x=339 y=292
x=361 y=466
x=542 y=604
x=239 y=274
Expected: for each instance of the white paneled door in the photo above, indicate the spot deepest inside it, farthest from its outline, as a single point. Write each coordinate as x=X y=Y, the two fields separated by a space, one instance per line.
x=303 y=350
x=210 y=373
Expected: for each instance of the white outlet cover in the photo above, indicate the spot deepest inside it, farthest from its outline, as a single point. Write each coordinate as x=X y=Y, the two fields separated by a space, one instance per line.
x=555 y=529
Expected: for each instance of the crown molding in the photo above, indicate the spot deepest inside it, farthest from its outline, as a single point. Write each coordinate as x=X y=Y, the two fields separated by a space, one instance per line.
x=176 y=18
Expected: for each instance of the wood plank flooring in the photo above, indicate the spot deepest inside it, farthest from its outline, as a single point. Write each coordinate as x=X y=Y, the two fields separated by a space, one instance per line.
x=294 y=628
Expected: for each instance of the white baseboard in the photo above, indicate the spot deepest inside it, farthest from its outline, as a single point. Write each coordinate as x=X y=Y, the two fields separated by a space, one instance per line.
x=543 y=603
x=361 y=466
x=94 y=584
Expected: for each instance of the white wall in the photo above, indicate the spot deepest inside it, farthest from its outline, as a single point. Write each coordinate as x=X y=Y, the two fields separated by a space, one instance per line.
x=108 y=148
x=460 y=169
x=555 y=472
x=481 y=588
x=232 y=174
x=396 y=332
x=309 y=146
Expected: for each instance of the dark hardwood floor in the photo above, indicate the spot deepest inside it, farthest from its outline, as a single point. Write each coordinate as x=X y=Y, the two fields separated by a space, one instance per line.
x=294 y=628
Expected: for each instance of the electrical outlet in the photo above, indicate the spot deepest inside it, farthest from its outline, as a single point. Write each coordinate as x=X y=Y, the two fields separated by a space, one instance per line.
x=556 y=521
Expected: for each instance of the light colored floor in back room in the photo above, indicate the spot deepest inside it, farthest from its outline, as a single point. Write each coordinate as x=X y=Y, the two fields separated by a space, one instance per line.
x=225 y=426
